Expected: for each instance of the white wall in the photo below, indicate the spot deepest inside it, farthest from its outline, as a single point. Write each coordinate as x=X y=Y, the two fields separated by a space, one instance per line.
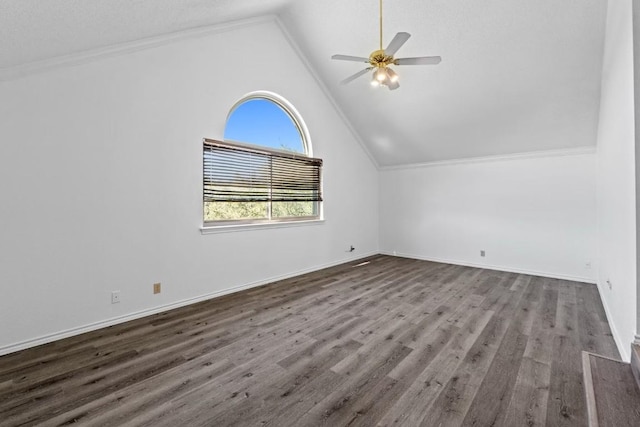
x=100 y=179
x=533 y=215
x=616 y=177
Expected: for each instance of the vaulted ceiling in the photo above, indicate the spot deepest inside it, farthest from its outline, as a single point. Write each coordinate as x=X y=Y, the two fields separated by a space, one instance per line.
x=516 y=75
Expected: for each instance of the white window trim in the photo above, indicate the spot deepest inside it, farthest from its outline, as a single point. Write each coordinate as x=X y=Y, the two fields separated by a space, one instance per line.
x=230 y=228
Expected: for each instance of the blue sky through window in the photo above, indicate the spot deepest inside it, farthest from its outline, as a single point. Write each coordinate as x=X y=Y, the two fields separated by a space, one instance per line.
x=262 y=122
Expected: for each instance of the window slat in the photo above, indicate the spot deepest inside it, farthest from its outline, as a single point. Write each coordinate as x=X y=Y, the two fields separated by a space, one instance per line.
x=233 y=173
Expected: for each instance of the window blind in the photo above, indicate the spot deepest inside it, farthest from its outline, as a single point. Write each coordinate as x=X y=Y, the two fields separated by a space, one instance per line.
x=234 y=173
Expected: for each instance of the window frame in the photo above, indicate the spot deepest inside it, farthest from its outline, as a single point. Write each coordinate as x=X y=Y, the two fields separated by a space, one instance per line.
x=287 y=108
x=209 y=226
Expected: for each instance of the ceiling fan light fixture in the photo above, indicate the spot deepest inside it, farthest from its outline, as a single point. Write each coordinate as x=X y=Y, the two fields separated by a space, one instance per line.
x=380 y=75
x=374 y=81
x=392 y=75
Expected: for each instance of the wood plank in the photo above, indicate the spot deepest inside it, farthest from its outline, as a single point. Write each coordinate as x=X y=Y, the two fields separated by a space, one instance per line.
x=494 y=394
x=566 y=402
x=592 y=410
x=528 y=405
x=539 y=345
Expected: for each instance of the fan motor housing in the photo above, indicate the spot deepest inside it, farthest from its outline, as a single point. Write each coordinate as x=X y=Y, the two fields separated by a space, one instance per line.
x=379 y=59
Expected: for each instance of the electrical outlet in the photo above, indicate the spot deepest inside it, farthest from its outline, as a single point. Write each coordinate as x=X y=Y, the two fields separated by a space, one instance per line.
x=157 y=288
x=587 y=265
x=395 y=253
x=482 y=253
x=609 y=284
x=115 y=297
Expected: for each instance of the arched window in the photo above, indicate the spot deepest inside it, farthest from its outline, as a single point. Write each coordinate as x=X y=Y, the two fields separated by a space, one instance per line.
x=263 y=122
x=263 y=171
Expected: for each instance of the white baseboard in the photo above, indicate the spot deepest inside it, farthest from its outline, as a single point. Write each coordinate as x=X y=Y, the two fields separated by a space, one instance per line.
x=22 y=345
x=623 y=349
x=494 y=267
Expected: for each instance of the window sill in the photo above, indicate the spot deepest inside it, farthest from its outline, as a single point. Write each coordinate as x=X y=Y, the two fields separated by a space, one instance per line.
x=230 y=228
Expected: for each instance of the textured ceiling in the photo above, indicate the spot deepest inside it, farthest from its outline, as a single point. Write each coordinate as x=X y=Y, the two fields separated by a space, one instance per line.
x=516 y=75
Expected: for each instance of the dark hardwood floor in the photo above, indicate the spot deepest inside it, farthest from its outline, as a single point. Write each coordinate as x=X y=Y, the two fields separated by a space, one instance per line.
x=391 y=342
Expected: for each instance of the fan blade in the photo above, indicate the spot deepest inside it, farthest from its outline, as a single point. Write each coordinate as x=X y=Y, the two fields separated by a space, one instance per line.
x=355 y=76
x=393 y=86
x=350 y=58
x=396 y=43
x=421 y=60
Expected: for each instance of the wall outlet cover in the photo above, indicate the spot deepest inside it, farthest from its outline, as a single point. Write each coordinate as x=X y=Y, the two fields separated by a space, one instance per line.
x=115 y=297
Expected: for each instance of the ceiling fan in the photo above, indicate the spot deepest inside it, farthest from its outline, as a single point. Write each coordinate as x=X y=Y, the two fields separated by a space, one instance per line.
x=380 y=61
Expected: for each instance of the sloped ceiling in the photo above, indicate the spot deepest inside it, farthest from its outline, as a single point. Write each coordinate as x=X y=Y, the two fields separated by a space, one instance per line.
x=516 y=75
